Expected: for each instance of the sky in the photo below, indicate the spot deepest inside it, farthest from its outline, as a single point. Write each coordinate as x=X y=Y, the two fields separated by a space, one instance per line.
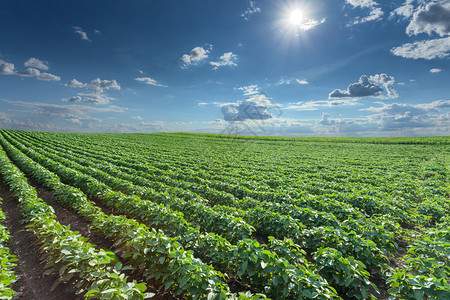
x=288 y=68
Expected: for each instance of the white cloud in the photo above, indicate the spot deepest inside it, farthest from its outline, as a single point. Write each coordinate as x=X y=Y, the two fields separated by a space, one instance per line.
x=255 y=107
x=301 y=81
x=138 y=118
x=362 y=3
x=387 y=82
x=97 y=95
x=98 y=98
x=309 y=24
x=196 y=55
x=375 y=14
x=429 y=18
x=328 y=120
x=428 y=49
x=36 y=63
x=149 y=81
x=249 y=89
x=100 y=85
x=315 y=105
x=435 y=70
x=362 y=88
x=72 y=99
x=401 y=116
x=251 y=9
x=433 y=17
x=375 y=11
x=48 y=77
x=406 y=10
x=9 y=69
x=227 y=59
x=75 y=84
x=63 y=110
x=80 y=31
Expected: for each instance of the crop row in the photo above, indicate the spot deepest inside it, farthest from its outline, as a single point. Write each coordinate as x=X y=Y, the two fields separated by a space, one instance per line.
x=281 y=220
x=257 y=267
x=7 y=262
x=149 y=251
x=318 y=236
x=224 y=190
x=426 y=273
x=65 y=251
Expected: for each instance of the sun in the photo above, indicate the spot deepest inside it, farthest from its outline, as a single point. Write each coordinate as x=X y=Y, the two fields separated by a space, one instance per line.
x=296 y=17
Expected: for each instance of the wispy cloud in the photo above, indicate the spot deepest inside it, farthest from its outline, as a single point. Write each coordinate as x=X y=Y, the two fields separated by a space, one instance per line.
x=375 y=11
x=249 y=89
x=435 y=70
x=149 y=81
x=227 y=59
x=315 y=105
x=251 y=10
x=301 y=81
x=81 y=33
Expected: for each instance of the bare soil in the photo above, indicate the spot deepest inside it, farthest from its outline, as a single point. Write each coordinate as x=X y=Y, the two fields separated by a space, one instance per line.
x=32 y=283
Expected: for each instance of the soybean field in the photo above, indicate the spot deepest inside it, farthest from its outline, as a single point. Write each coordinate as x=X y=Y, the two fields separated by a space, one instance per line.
x=203 y=216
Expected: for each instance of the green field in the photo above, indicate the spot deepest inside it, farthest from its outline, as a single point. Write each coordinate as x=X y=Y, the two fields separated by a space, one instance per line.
x=217 y=217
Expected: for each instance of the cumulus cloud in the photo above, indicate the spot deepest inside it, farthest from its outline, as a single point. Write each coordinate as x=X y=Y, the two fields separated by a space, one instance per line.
x=75 y=84
x=36 y=63
x=433 y=17
x=99 y=85
x=435 y=70
x=256 y=107
x=327 y=120
x=428 y=49
x=251 y=10
x=363 y=88
x=149 y=81
x=387 y=82
x=429 y=18
x=375 y=11
x=80 y=31
x=9 y=69
x=196 y=55
x=227 y=59
x=97 y=94
x=404 y=115
x=249 y=89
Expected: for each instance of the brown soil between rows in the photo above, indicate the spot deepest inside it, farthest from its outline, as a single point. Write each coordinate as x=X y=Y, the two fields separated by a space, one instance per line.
x=66 y=216
x=32 y=283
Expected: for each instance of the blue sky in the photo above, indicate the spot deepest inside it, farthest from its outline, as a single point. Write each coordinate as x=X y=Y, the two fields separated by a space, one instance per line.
x=292 y=68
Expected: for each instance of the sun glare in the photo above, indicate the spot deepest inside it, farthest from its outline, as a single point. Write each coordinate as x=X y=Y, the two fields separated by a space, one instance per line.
x=296 y=17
